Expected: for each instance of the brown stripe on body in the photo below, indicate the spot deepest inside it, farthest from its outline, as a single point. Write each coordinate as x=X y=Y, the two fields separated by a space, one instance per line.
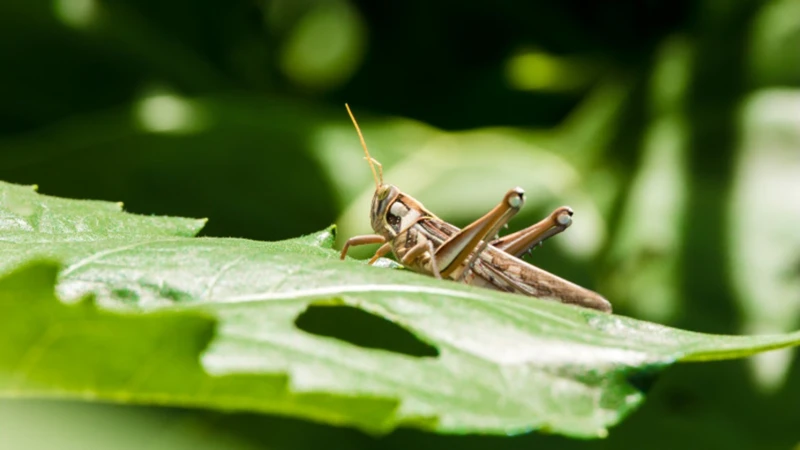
x=498 y=270
x=530 y=280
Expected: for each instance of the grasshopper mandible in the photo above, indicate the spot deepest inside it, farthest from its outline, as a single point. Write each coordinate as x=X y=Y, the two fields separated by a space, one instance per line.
x=426 y=244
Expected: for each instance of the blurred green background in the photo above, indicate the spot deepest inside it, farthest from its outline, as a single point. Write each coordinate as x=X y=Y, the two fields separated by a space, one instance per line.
x=672 y=129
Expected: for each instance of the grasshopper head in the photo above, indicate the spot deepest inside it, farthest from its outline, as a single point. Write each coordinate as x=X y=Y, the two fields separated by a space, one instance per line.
x=385 y=196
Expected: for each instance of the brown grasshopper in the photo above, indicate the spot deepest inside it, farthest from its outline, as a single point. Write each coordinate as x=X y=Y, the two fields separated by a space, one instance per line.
x=426 y=244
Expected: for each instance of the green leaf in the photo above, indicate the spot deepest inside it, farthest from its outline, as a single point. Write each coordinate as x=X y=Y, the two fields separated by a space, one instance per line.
x=644 y=254
x=503 y=364
x=764 y=211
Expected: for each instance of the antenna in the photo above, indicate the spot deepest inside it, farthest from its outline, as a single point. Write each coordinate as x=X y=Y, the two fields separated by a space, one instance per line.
x=377 y=175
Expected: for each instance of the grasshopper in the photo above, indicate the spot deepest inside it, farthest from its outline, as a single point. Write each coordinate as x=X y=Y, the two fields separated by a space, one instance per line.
x=427 y=244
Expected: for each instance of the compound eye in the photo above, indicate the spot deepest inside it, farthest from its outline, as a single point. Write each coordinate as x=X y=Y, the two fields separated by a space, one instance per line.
x=383 y=193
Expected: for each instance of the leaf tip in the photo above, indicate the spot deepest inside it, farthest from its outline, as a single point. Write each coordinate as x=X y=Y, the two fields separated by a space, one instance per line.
x=199 y=224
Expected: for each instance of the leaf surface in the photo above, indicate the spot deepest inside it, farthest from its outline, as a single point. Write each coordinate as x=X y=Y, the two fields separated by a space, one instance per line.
x=213 y=322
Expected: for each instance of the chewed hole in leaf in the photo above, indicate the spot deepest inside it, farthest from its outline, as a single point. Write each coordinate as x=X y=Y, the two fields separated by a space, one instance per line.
x=643 y=380
x=363 y=329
